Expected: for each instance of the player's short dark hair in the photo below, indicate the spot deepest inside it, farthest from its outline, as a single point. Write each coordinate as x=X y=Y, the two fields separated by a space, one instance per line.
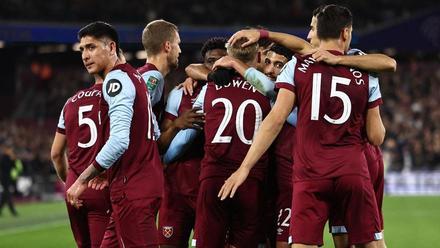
x=156 y=33
x=100 y=30
x=213 y=43
x=281 y=50
x=265 y=43
x=318 y=10
x=332 y=20
x=245 y=54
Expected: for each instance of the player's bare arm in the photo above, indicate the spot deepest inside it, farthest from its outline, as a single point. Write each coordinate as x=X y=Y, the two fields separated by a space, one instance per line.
x=80 y=185
x=230 y=62
x=375 y=127
x=58 y=155
x=367 y=62
x=265 y=136
x=292 y=42
x=197 y=71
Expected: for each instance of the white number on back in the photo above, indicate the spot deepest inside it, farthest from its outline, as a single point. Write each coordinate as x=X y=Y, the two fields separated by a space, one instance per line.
x=316 y=98
x=89 y=122
x=218 y=138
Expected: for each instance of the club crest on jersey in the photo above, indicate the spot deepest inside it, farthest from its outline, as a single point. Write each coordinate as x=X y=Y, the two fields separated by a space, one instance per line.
x=152 y=83
x=167 y=231
x=114 y=87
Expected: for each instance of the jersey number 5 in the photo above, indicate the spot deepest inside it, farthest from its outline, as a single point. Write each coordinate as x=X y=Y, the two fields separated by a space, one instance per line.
x=316 y=98
x=218 y=138
x=89 y=122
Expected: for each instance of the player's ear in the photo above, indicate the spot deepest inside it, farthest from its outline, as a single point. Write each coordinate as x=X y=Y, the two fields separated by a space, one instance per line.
x=167 y=46
x=112 y=46
x=346 y=33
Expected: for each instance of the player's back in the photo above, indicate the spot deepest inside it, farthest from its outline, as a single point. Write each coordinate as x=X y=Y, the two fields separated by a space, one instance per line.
x=332 y=103
x=138 y=171
x=83 y=127
x=234 y=112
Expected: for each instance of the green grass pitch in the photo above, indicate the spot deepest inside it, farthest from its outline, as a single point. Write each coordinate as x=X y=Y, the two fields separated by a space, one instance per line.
x=409 y=222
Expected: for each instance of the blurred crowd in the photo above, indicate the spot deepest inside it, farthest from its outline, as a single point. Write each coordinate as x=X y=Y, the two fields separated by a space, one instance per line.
x=411 y=116
x=195 y=12
x=30 y=143
x=410 y=113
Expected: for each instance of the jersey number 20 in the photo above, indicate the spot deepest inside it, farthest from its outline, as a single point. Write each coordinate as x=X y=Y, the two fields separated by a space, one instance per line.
x=218 y=138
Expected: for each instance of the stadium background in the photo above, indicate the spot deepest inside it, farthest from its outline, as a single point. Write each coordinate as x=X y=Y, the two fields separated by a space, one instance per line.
x=40 y=69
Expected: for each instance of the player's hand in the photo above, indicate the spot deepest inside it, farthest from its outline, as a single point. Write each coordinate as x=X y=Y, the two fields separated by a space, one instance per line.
x=99 y=182
x=225 y=62
x=192 y=118
x=74 y=192
x=326 y=56
x=188 y=86
x=232 y=183
x=253 y=35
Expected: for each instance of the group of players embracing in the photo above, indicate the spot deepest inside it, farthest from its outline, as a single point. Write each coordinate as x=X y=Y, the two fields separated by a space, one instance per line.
x=265 y=141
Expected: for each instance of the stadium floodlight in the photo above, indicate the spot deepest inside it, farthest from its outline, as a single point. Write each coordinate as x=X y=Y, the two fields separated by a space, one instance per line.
x=75 y=47
x=52 y=49
x=141 y=54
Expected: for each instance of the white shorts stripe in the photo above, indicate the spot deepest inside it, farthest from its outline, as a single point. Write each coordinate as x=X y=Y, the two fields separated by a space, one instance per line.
x=338 y=229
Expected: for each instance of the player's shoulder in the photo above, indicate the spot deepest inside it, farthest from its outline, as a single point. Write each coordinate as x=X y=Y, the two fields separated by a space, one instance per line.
x=355 y=51
x=117 y=81
x=293 y=64
x=176 y=93
x=149 y=70
x=116 y=74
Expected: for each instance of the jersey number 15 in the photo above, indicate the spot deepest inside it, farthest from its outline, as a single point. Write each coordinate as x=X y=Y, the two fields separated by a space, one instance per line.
x=316 y=98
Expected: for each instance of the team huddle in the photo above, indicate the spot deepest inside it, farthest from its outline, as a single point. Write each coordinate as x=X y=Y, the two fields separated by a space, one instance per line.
x=266 y=141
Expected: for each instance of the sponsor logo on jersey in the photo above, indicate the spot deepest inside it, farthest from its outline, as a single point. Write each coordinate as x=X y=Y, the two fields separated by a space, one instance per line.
x=152 y=83
x=114 y=87
x=167 y=231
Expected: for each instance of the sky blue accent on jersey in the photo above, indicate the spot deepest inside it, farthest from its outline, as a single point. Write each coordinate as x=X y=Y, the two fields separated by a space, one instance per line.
x=200 y=98
x=181 y=142
x=287 y=73
x=260 y=81
x=61 y=124
x=373 y=89
x=157 y=90
x=355 y=51
x=293 y=117
x=173 y=102
x=121 y=113
x=156 y=129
